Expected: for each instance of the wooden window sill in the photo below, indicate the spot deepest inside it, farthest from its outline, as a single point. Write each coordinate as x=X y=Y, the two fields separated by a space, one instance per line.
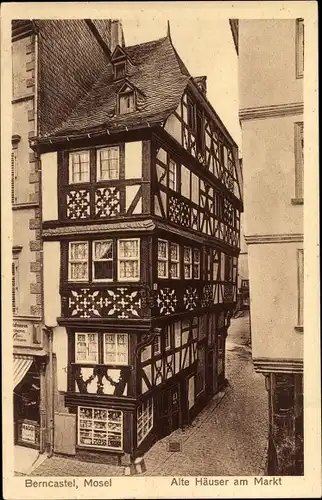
x=297 y=201
x=299 y=328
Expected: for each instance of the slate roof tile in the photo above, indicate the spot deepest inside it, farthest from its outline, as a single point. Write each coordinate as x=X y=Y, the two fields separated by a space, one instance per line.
x=157 y=73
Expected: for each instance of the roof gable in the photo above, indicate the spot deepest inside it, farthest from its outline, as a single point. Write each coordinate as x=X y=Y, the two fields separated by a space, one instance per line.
x=118 y=54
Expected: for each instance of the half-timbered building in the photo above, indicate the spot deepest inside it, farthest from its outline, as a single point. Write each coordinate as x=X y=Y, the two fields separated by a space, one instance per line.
x=141 y=196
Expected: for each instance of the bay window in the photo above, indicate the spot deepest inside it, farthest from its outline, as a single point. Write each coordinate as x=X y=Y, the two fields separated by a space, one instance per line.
x=100 y=427
x=116 y=348
x=78 y=167
x=128 y=259
x=144 y=420
x=103 y=260
x=86 y=348
x=108 y=163
x=163 y=255
x=78 y=261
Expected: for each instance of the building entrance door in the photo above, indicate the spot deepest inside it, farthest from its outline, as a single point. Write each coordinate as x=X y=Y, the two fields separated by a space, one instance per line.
x=26 y=408
x=169 y=411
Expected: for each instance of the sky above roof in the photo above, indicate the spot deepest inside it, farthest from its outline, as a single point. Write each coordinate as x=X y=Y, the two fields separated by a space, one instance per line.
x=206 y=48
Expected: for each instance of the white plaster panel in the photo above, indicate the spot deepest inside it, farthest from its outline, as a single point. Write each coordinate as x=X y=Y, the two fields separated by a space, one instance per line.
x=133 y=160
x=52 y=305
x=49 y=186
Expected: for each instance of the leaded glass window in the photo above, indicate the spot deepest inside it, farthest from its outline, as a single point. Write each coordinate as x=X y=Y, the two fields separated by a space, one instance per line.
x=187 y=261
x=78 y=261
x=163 y=251
x=100 y=427
x=172 y=175
x=196 y=264
x=116 y=349
x=174 y=261
x=144 y=420
x=86 y=348
x=128 y=259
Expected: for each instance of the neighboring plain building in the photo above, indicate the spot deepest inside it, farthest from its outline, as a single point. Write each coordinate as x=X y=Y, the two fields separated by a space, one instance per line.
x=141 y=202
x=50 y=74
x=271 y=68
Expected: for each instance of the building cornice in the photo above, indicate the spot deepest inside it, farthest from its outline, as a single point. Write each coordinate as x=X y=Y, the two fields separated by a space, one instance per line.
x=144 y=225
x=268 y=365
x=275 y=110
x=259 y=239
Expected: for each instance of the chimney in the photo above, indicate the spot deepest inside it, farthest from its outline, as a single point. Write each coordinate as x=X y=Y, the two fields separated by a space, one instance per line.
x=201 y=82
x=117 y=36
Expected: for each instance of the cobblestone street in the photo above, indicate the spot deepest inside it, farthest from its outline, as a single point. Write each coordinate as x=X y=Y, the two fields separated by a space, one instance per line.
x=228 y=437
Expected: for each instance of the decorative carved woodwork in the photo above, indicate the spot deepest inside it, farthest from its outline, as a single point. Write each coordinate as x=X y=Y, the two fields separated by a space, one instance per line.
x=90 y=302
x=101 y=379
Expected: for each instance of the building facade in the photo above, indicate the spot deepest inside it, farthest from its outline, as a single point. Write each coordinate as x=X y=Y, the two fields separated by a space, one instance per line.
x=46 y=83
x=141 y=193
x=271 y=67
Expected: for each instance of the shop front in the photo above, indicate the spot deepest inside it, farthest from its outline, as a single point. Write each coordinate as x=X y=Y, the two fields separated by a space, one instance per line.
x=29 y=388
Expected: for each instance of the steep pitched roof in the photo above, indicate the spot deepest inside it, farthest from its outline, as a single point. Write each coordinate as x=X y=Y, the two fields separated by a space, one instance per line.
x=158 y=75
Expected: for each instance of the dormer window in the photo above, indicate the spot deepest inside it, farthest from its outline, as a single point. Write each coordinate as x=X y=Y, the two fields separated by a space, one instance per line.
x=126 y=99
x=120 y=70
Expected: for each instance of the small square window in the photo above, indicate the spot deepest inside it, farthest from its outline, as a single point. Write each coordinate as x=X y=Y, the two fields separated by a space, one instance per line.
x=78 y=167
x=86 y=347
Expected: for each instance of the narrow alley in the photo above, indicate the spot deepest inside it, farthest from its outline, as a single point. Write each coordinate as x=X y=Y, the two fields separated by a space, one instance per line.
x=228 y=437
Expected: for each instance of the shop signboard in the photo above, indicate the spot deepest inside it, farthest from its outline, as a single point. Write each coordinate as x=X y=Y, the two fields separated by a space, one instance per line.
x=28 y=432
x=26 y=333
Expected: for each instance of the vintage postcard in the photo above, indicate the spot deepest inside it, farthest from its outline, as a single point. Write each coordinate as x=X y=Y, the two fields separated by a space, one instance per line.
x=160 y=251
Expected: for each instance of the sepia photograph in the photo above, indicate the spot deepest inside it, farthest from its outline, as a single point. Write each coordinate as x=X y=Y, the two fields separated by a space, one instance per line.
x=157 y=251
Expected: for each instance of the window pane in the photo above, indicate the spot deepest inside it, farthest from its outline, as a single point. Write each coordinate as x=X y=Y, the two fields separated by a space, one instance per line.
x=78 y=251
x=174 y=270
x=103 y=250
x=79 y=166
x=78 y=271
x=129 y=269
x=162 y=269
x=103 y=270
x=128 y=248
x=174 y=251
x=187 y=254
x=162 y=249
x=187 y=271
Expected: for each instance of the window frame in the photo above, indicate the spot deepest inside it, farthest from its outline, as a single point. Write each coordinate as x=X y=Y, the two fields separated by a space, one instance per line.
x=117 y=65
x=299 y=48
x=148 y=412
x=87 y=362
x=116 y=363
x=164 y=259
x=15 y=283
x=122 y=259
x=74 y=261
x=92 y=428
x=299 y=161
x=196 y=263
x=176 y=262
x=14 y=175
x=189 y=263
x=123 y=95
x=71 y=165
x=100 y=280
x=300 y=287
x=98 y=163
x=174 y=173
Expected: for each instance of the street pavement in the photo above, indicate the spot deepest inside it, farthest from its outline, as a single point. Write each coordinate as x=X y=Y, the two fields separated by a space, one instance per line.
x=227 y=438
